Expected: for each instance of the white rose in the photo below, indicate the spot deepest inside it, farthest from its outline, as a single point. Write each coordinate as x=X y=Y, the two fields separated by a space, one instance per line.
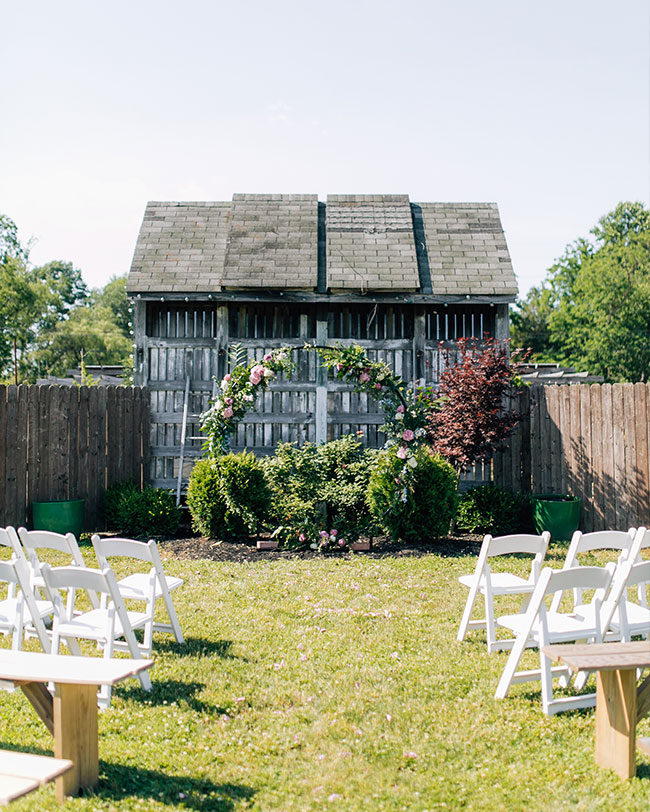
x=268 y=373
x=412 y=462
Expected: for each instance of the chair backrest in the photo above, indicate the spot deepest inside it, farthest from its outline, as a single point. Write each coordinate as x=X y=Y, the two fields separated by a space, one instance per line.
x=514 y=544
x=9 y=538
x=8 y=572
x=600 y=540
x=124 y=548
x=621 y=580
x=34 y=540
x=73 y=578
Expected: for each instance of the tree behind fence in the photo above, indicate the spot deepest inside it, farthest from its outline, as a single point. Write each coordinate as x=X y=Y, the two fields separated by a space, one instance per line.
x=69 y=442
x=591 y=441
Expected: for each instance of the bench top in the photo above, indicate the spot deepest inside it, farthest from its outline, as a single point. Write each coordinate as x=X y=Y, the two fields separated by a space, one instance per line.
x=27 y=666
x=601 y=656
x=21 y=773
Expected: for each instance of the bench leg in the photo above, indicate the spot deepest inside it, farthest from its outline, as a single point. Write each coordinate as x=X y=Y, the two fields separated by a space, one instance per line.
x=616 y=713
x=76 y=737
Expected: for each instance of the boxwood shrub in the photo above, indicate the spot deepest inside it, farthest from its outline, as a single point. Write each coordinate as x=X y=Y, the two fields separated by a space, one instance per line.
x=491 y=509
x=228 y=497
x=423 y=513
x=133 y=512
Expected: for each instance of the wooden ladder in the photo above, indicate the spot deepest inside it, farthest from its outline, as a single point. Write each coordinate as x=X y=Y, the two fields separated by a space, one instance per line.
x=184 y=437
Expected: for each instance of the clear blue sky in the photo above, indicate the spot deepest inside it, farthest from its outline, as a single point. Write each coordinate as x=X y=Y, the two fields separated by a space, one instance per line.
x=541 y=107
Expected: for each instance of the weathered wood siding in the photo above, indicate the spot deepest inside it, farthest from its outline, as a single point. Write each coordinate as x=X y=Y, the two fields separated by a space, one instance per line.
x=177 y=342
x=69 y=442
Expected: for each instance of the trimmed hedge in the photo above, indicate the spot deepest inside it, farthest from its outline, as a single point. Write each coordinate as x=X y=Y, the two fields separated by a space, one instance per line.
x=134 y=512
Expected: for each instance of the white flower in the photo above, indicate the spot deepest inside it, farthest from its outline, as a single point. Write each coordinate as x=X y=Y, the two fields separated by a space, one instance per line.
x=268 y=373
x=412 y=462
x=248 y=398
x=399 y=416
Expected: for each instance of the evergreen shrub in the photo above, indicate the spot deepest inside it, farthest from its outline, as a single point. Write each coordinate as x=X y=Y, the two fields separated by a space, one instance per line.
x=228 y=496
x=491 y=509
x=420 y=509
x=149 y=512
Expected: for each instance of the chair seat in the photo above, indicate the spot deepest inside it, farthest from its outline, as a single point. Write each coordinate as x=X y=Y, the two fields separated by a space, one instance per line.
x=560 y=626
x=93 y=625
x=9 y=605
x=135 y=587
x=503 y=583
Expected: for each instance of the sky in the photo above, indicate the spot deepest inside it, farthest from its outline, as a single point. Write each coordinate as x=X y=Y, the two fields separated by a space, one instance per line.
x=540 y=107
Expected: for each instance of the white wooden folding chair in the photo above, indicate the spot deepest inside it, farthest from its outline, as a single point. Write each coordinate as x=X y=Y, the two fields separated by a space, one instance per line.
x=136 y=586
x=490 y=584
x=105 y=625
x=35 y=540
x=618 y=541
x=35 y=611
x=540 y=626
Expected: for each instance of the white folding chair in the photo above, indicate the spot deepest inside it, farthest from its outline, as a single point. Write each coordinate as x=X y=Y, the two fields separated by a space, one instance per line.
x=541 y=627
x=35 y=540
x=490 y=584
x=35 y=611
x=20 y=610
x=136 y=587
x=617 y=540
x=105 y=625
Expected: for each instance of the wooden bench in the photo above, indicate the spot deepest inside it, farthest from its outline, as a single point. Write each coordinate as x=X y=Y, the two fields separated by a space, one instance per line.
x=619 y=704
x=21 y=773
x=71 y=713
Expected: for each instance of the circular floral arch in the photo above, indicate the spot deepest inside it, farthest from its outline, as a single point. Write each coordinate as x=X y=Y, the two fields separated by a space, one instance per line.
x=404 y=407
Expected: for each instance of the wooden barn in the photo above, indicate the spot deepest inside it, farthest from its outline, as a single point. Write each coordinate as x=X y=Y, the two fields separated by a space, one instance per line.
x=264 y=271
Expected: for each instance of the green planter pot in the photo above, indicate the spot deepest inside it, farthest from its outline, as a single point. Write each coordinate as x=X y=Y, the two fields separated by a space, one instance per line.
x=560 y=515
x=65 y=516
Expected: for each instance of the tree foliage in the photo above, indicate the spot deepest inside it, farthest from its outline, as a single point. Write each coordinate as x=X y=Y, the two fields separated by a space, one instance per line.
x=593 y=309
x=50 y=318
x=468 y=420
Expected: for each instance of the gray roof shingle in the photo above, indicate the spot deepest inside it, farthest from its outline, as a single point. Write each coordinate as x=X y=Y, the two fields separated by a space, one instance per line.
x=379 y=243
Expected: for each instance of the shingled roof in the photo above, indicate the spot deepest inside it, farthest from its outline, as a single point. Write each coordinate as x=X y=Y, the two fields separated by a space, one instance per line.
x=350 y=244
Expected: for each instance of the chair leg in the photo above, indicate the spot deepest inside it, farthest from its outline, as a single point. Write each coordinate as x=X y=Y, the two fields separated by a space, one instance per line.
x=511 y=666
x=173 y=618
x=467 y=612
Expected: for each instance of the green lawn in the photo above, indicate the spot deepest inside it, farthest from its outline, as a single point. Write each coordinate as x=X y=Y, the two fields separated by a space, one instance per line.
x=332 y=684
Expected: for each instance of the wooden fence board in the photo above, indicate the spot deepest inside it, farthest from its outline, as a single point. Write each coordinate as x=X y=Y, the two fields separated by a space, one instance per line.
x=609 y=482
x=596 y=490
x=641 y=468
x=12 y=461
x=620 y=478
x=4 y=512
x=21 y=455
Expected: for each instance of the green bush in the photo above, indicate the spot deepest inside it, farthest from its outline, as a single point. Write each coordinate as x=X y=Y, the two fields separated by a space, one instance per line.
x=150 y=512
x=490 y=509
x=320 y=487
x=423 y=509
x=228 y=497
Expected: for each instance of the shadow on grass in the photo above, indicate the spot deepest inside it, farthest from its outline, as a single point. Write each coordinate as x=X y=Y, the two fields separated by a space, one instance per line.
x=168 y=692
x=198 y=647
x=118 y=781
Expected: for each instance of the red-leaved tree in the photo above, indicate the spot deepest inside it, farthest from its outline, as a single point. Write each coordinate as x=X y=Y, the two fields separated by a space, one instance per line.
x=468 y=420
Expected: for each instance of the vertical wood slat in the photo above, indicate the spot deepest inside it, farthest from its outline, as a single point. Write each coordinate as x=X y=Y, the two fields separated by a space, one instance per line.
x=641 y=467
x=12 y=458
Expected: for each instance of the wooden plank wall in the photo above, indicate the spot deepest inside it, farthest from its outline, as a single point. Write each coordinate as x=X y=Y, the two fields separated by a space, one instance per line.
x=591 y=441
x=195 y=341
x=69 y=442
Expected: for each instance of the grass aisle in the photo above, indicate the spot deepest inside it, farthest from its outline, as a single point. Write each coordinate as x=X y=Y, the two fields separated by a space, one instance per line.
x=331 y=684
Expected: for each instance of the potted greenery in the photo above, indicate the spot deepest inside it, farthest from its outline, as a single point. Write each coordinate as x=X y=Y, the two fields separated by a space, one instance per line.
x=557 y=513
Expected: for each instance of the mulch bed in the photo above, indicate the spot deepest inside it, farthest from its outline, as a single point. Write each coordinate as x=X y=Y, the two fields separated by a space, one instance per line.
x=381 y=548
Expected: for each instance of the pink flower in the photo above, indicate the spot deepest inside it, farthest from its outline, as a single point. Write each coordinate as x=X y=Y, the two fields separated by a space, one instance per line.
x=227 y=377
x=408 y=435
x=227 y=413
x=341 y=542
x=377 y=386
x=400 y=409
x=339 y=367
x=228 y=401
x=364 y=377
x=268 y=357
x=256 y=375
x=401 y=452
x=333 y=532
x=302 y=537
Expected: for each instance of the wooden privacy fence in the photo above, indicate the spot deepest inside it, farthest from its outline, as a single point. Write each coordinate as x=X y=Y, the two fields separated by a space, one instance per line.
x=591 y=441
x=69 y=442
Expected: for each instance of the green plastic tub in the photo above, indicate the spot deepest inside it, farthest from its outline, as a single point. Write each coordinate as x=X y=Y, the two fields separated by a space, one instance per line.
x=560 y=515
x=65 y=516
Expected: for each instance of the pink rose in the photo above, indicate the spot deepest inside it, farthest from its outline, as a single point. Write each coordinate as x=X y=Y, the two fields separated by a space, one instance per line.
x=339 y=367
x=333 y=532
x=227 y=413
x=364 y=377
x=302 y=537
x=377 y=386
x=408 y=435
x=401 y=453
x=256 y=375
x=268 y=357
x=228 y=401
x=400 y=409
x=341 y=542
